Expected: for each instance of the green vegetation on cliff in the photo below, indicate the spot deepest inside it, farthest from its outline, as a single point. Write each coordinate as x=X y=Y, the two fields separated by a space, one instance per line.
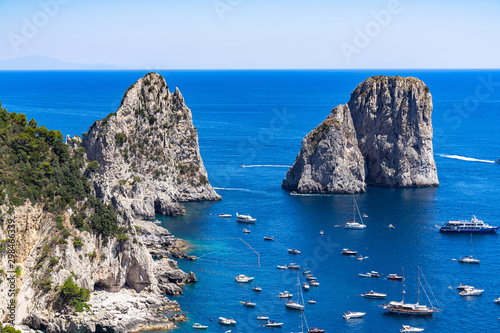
x=36 y=165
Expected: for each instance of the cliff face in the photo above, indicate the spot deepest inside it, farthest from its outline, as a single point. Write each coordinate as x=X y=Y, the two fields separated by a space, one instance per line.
x=148 y=153
x=329 y=160
x=392 y=118
x=383 y=137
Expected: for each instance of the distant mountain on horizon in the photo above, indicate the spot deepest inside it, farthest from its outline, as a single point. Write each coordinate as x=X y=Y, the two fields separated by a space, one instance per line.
x=45 y=63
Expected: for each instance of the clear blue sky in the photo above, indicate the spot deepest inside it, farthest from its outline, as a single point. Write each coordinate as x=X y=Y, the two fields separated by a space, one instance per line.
x=274 y=34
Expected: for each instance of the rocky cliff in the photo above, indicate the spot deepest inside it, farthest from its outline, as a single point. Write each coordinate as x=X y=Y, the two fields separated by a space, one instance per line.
x=329 y=160
x=383 y=138
x=148 y=154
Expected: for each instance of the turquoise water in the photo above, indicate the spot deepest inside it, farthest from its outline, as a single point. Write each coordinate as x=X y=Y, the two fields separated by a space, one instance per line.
x=259 y=118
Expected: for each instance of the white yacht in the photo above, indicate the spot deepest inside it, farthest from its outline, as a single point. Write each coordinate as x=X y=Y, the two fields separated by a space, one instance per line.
x=372 y=294
x=294 y=305
x=200 y=326
x=261 y=317
x=305 y=286
x=282 y=267
x=462 y=286
x=245 y=218
x=352 y=224
x=353 y=314
x=408 y=329
x=227 y=322
x=471 y=292
x=271 y=323
x=285 y=294
x=243 y=278
x=293 y=251
x=249 y=304
x=472 y=226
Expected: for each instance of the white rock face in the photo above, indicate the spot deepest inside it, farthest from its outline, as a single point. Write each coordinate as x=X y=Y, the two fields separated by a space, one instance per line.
x=329 y=160
x=382 y=137
x=148 y=153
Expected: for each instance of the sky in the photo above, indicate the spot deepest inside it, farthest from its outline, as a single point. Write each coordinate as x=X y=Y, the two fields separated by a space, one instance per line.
x=255 y=34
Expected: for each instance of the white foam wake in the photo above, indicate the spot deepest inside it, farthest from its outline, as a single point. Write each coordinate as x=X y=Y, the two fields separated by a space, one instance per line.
x=266 y=166
x=231 y=189
x=464 y=158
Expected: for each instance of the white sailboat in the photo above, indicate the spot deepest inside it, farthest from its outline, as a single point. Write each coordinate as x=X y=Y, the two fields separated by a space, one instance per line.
x=303 y=319
x=353 y=224
x=469 y=259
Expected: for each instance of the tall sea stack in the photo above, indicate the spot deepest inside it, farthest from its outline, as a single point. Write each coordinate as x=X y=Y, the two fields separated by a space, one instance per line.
x=390 y=118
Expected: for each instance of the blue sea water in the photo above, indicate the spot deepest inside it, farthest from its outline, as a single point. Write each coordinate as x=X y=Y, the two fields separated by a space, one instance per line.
x=258 y=118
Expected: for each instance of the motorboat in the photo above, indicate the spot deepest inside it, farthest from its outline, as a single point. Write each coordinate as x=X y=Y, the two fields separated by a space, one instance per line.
x=272 y=323
x=268 y=238
x=305 y=286
x=391 y=226
x=471 y=292
x=372 y=274
x=257 y=289
x=314 y=283
x=245 y=218
x=227 y=322
x=199 y=326
x=497 y=300
x=285 y=294
x=225 y=216
x=282 y=267
x=291 y=304
x=360 y=258
x=353 y=314
x=352 y=224
x=293 y=193
x=311 y=301
x=293 y=251
x=321 y=232
x=243 y=278
x=462 y=286
x=408 y=308
x=293 y=266
x=394 y=277
x=249 y=304
x=472 y=226
x=348 y=252
x=372 y=294
x=315 y=330
x=306 y=272
x=246 y=231
x=157 y=222
x=408 y=329
x=310 y=277
x=261 y=317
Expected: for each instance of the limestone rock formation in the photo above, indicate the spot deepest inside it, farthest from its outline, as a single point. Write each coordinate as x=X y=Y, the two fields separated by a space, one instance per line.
x=148 y=154
x=383 y=137
x=329 y=160
x=392 y=118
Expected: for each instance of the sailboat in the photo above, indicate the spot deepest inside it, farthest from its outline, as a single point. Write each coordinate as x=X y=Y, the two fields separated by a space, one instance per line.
x=412 y=309
x=291 y=304
x=352 y=224
x=469 y=259
x=303 y=319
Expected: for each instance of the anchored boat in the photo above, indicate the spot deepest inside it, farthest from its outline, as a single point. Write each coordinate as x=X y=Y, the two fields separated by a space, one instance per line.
x=473 y=226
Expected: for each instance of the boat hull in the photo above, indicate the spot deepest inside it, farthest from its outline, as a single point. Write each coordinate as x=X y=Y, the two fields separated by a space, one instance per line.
x=473 y=231
x=410 y=312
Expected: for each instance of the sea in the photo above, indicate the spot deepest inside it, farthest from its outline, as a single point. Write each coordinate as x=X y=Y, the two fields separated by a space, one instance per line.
x=257 y=119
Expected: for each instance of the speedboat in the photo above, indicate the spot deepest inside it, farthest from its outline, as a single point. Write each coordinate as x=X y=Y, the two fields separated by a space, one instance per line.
x=306 y=272
x=408 y=328
x=391 y=226
x=372 y=294
x=245 y=218
x=157 y=222
x=471 y=292
x=468 y=260
x=225 y=216
x=305 y=286
x=462 y=286
x=394 y=277
x=348 y=252
x=321 y=232
x=243 y=278
x=294 y=305
x=246 y=231
x=355 y=225
x=272 y=323
x=472 y=226
x=293 y=251
x=282 y=267
x=310 y=277
x=314 y=283
x=261 y=317
x=249 y=304
x=370 y=274
x=285 y=294
x=311 y=301
x=227 y=322
x=268 y=238
x=293 y=266
x=360 y=257
x=315 y=330
x=353 y=314
x=257 y=289
x=199 y=326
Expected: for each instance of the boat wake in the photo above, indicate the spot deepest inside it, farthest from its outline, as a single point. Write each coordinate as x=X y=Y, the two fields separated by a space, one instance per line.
x=266 y=166
x=231 y=189
x=464 y=158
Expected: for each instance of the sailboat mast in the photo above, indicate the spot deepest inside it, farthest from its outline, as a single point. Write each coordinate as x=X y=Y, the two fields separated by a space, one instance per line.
x=353 y=208
x=403 y=292
x=418 y=285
